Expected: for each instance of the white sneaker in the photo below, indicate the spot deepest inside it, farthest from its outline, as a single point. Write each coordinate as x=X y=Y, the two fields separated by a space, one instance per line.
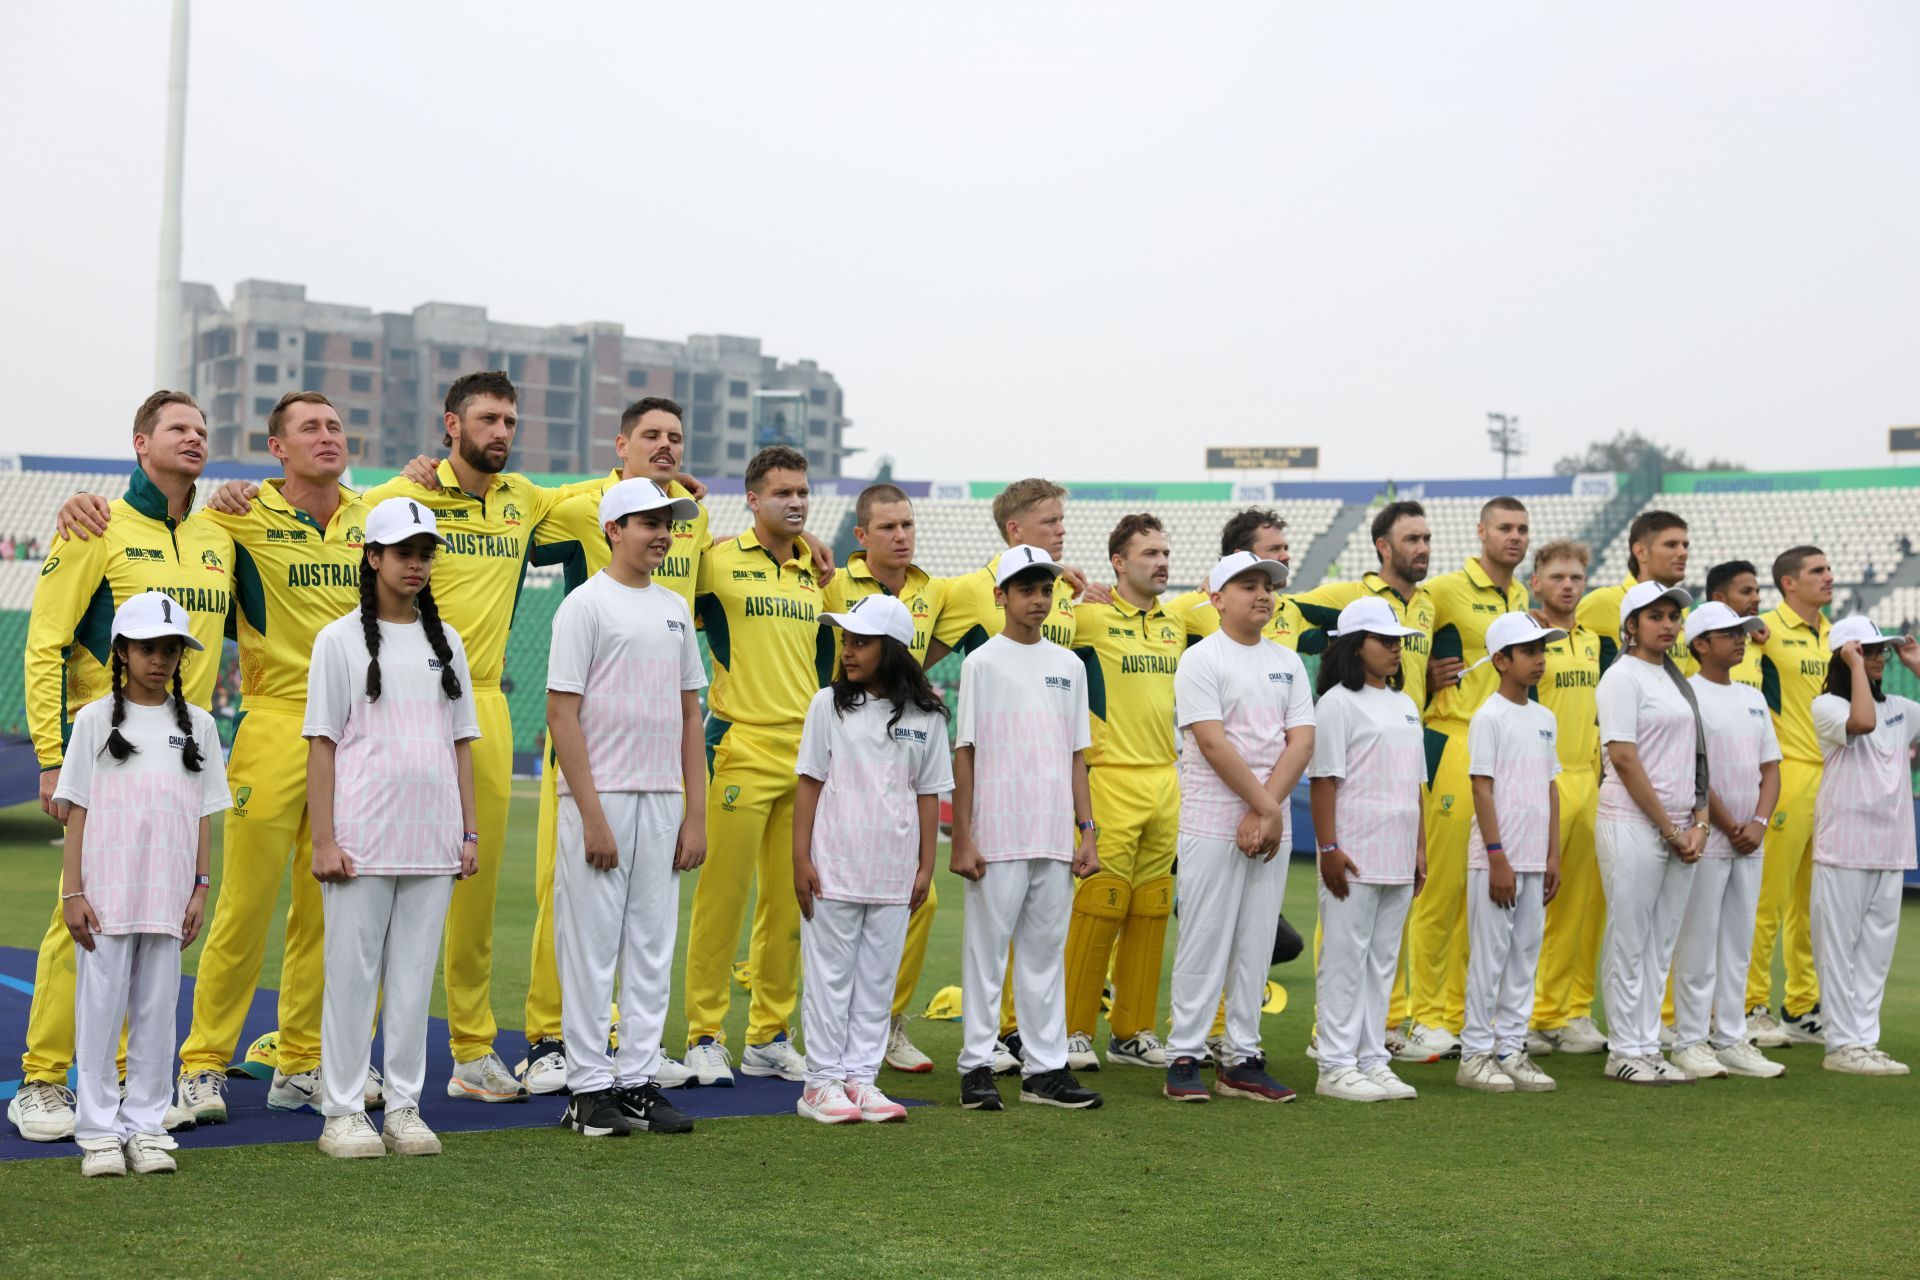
x=1313 y=1047
x=777 y=1058
x=1633 y=1070
x=203 y=1096
x=1666 y=1036
x=827 y=1103
x=351 y=1138
x=485 y=1079
x=1216 y=1051
x=1430 y=1044
x=545 y=1071
x=103 y=1162
x=1851 y=1060
x=1764 y=1030
x=710 y=1063
x=1670 y=1073
x=1580 y=1035
x=1396 y=1042
x=151 y=1153
x=298 y=1093
x=1538 y=1046
x=901 y=1054
x=1080 y=1054
x=1805 y=1028
x=1348 y=1085
x=1482 y=1072
x=673 y=1073
x=1889 y=1065
x=373 y=1094
x=1142 y=1050
x=42 y=1112
x=1742 y=1059
x=875 y=1106
x=1390 y=1084
x=1526 y=1075
x=405 y=1134
x=1003 y=1062
x=1700 y=1062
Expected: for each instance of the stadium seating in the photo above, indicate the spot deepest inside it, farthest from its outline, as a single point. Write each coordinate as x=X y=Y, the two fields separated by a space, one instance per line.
x=29 y=499
x=1453 y=520
x=13 y=699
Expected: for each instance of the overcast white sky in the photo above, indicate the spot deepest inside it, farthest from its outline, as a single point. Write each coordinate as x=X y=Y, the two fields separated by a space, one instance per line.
x=1080 y=240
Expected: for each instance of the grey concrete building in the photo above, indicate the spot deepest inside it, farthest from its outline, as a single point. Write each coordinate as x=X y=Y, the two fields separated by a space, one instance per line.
x=388 y=373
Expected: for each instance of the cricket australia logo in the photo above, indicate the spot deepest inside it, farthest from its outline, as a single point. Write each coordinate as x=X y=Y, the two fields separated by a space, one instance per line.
x=1446 y=804
x=728 y=797
x=510 y=513
x=211 y=560
x=240 y=797
x=355 y=535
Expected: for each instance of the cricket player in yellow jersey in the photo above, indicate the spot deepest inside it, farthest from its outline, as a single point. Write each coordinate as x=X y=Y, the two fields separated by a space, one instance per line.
x=488 y=517
x=883 y=524
x=650 y=444
x=1657 y=546
x=1403 y=541
x=1131 y=646
x=1263 y=534
x=1570 y=943
x=1793 y=672
x=760 y=604
x=149 y=545
x=1464 y=602
x=1736 y=584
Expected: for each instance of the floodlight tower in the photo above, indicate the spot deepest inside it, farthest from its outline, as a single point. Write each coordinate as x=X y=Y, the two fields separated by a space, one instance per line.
x=166 y=329
x=1503 y=435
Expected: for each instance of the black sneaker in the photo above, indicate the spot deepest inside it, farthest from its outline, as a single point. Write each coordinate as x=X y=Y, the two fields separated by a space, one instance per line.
x=1058 y=1089
x=646 y=1108
x=596 y=1115
x=979 y=1092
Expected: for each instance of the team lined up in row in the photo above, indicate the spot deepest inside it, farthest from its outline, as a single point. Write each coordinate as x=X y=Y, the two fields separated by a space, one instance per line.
x=761 y=607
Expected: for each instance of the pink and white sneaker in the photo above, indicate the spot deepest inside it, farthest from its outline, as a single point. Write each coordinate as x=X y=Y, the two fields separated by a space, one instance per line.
x=875 y=1106
x=828 y=1103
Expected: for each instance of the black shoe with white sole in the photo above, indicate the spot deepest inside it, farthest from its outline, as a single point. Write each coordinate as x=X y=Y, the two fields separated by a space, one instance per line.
x=596 y=1115
x=645 y=1107
x=979 y=1092
x=1058 y=1089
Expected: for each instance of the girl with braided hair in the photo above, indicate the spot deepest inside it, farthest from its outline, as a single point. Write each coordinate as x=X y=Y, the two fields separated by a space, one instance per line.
x=390 y=798
x=143 y=773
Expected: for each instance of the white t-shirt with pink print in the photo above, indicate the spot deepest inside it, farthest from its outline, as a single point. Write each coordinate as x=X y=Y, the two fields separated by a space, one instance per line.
x=1023 y=710
x=396 y=781
x=866 y=830
x=1257 y=692
x=1863 y=816
x=1740 y=738
x=1515 y=744
x=1370 y=742
x=1639 y=703
x=141 y=842
x=630 y=652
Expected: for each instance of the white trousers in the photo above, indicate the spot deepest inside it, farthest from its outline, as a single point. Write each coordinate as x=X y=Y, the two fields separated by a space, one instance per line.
x=1229 y=912
x=621 y=921
x=1025 y=903
x=1647 y=890
x=1359 y=947
x=1710 y=962
x=383 y=941
x=1503 y=953
x=130 y=979
x=1856 y=920
x=850 y=952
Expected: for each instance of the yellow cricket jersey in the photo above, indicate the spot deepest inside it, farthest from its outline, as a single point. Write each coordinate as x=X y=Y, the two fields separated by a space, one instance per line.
x=1568 y=689
x=1793 y=671
x=290 y=578
x=572 y=536
x=476 y=576
x=1130 y=656
x=1319 y=611
x=923 y=595
x=70 y=634
x=1599 y=612
x=1748 y=672
x=1196 y=613
x=762 y=619
x=971 y=617
x=1465 y=603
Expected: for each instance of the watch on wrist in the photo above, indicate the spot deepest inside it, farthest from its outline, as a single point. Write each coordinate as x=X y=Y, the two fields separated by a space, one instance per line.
x=202 y=881
x=1328 y=848
x=1091 y=827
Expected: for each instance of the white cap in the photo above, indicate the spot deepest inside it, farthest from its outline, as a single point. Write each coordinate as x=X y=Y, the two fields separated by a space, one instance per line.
x=397 y=519
x=1859 y=629
x=1372 y=615
x=1020 y=557
x=1231 y=567
x=1716 y=615
x=874 y=615
x=1516 y=628
x=630 y=497
x=150 y=615
x=1642 y=594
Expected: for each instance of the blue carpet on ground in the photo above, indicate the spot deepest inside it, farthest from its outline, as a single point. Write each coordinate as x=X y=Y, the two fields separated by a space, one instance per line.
x=249 y=1122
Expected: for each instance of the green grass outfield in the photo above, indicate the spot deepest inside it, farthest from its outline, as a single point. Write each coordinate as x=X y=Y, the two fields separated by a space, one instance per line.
x=1814 y=1174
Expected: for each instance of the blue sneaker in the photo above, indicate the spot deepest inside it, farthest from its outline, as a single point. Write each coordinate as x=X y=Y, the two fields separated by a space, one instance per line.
x=1184 y=1083
x=1248 y=1078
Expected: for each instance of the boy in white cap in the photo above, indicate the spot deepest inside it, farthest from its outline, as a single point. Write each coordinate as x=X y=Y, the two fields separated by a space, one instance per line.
x=1246 y=720
x=143 y=773
x=1369 y=764
x=873 y=764
x=1019 y=768
x=623 y=713
x=1716 y=933
x=389 y=726
x=1513 y=858
x=1862 y=839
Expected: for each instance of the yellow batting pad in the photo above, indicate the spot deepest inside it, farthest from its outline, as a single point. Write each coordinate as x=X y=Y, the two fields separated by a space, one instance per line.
x=1137 y=960
x=1099 y=905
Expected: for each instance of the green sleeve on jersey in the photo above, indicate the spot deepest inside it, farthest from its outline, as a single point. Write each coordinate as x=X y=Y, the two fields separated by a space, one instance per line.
x=95 y=632
x=1446 y=643
x=1770 y=683
x=824 y=654
x=713 y=620
x=1608 y=652
x=975 y=637
x=568 y=553
x=249 y=592
x=1096 y=681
